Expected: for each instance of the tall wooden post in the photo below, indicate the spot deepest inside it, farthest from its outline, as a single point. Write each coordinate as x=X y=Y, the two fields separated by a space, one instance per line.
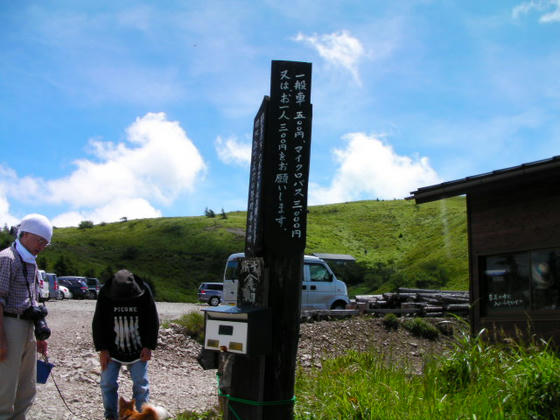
x=276 y=235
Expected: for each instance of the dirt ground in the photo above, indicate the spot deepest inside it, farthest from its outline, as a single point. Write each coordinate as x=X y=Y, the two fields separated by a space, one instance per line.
x=177 y=381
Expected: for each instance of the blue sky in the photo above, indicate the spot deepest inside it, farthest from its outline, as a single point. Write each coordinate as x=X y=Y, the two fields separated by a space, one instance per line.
x=145 y=109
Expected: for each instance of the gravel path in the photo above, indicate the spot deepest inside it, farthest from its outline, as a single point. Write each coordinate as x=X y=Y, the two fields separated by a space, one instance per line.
x=177 y=382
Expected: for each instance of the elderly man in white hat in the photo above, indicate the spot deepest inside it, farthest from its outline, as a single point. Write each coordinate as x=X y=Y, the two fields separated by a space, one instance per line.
x=18 y=301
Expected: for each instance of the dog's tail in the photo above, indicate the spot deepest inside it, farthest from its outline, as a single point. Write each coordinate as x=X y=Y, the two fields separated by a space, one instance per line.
x=160 y=412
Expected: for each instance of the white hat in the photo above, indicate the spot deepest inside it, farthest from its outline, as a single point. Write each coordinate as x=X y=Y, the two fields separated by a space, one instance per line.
x=38 y=225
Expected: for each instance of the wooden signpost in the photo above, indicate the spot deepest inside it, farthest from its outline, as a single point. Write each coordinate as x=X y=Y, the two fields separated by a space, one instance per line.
x=262 y=386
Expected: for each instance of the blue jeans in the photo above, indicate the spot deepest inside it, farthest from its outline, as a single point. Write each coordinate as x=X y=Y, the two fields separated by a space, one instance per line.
x=109 y=386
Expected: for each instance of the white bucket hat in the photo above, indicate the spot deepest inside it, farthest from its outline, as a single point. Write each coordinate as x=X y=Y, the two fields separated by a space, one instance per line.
x=38 y=225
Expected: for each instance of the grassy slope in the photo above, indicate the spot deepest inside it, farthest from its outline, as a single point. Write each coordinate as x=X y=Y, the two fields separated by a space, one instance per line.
x=176 y=254
x=410 y=238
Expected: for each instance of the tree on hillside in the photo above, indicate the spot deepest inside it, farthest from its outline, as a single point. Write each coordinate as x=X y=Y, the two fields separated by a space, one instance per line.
x=209 y=212
x=85 y=224
x=64 y=267
x=42 y=262
x=5 y=240
x=224 y=215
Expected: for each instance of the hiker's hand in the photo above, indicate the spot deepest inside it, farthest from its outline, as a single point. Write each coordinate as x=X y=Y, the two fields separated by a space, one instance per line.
x=104 y=359
x=145 y=354
x=42 y=347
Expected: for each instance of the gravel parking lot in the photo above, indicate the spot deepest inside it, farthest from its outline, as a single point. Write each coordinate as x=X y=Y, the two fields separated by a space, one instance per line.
x=177 y=381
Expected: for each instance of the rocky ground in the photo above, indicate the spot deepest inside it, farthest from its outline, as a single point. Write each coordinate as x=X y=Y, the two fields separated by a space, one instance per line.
x=177 y=381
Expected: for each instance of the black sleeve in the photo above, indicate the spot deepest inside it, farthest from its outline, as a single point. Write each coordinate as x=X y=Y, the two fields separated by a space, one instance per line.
x=150 y=322
x=101 y=326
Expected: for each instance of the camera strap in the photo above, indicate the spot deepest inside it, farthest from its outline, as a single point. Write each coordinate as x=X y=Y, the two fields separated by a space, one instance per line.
x=25 y=272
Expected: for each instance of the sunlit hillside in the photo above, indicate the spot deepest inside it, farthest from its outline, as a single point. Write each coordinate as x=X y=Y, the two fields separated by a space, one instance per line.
x=395 y=243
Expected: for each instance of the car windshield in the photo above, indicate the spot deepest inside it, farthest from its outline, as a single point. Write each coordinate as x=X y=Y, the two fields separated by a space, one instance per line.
x=75 y=282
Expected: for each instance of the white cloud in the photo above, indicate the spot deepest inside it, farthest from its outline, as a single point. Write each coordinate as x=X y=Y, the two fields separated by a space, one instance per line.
x=157 y=163
x=552 y=7
x=232 y=151
x=339 y=49
x=368 y=169
x=5 y=217
x=134 y=208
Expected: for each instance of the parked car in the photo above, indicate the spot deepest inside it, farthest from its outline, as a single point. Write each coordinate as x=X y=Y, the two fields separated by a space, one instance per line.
x=43 y=286
x=77 y=286
x=54 y=293
x=210 y=293
x=94 y=285
x=63 y=292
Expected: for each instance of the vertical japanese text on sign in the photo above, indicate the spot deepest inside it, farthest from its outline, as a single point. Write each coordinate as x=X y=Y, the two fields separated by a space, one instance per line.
x=288 y=150
x=253 y=237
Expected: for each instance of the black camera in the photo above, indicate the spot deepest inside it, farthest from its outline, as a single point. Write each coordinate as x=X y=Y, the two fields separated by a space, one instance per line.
x=37 y=314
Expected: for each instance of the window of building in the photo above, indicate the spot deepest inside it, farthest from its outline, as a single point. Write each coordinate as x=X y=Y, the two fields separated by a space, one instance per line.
x=545 y=267
x=507 y=283
x=522 y=281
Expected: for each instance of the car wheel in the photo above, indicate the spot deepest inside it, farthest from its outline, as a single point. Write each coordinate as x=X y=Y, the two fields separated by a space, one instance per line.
x=214 y=301
x=338 y=305
x=59 y=295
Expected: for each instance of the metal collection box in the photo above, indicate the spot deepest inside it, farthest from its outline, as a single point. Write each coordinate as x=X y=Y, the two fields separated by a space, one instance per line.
x=237 y=330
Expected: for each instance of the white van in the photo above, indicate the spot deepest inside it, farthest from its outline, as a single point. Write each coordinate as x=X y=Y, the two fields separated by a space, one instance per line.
x=320 y=287
x=43 y=286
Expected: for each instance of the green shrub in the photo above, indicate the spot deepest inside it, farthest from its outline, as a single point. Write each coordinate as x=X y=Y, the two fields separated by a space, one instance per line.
x=193 y=323
x=391 y=322
x=421 y=328
x=85 y=224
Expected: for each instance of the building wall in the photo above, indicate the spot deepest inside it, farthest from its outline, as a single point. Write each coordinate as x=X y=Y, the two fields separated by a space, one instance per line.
x=516 y=218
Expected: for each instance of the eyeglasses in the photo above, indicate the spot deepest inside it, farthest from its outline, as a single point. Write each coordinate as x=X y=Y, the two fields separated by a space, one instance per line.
x=41 y=241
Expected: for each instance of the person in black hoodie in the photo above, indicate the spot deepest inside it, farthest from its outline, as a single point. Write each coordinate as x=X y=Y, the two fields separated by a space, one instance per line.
x=125 y=329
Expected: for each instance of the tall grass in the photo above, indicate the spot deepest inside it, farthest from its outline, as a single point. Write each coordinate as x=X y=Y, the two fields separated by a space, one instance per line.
x=476 y=380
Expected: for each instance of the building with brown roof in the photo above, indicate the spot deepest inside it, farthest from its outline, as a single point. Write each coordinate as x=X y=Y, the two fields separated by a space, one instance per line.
x=513 y=218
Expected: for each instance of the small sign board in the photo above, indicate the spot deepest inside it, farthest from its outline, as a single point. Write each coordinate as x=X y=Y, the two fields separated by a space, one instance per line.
x=252 y=288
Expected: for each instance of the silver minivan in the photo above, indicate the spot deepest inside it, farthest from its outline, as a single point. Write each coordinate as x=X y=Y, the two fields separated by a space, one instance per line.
x=320 y=288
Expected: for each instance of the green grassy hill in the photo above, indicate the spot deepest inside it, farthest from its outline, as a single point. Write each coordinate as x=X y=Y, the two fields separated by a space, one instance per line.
x=396 y=243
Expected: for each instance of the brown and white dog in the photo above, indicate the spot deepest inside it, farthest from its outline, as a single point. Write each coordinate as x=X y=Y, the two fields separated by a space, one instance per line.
x=127 y=411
